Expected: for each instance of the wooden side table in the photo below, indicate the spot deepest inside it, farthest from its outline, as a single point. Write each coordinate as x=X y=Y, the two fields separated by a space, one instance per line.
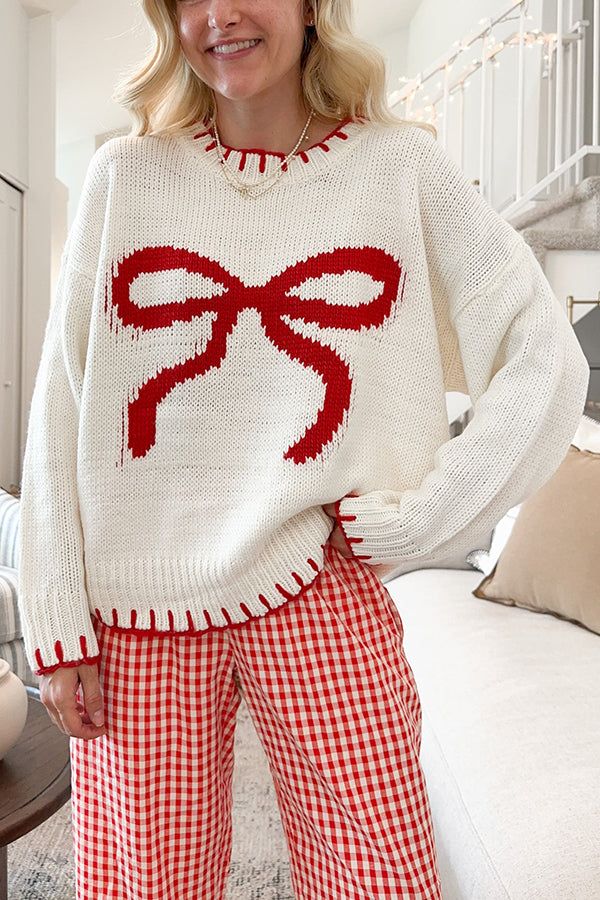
x=35 y=779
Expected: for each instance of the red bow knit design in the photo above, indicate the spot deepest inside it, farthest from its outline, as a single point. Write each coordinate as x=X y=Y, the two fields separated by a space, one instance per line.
x=272 y=302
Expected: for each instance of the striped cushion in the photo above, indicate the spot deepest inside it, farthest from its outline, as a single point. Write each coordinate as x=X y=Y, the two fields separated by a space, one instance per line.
x=9 y=526
x=10 y=622
x=14 y=654
x=12 y=647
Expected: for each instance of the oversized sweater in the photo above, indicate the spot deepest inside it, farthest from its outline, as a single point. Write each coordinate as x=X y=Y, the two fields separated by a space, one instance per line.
x=216 y=367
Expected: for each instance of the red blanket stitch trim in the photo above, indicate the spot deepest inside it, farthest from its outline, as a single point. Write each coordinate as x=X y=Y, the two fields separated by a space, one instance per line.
x=43 y=670
x=88 y=660
x=210 y=626
x=58 y=649
x=258 y=151
x=349 y=518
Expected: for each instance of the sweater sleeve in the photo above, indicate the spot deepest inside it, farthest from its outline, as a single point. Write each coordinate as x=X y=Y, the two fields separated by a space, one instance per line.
x=52 y=601
x=527 y=378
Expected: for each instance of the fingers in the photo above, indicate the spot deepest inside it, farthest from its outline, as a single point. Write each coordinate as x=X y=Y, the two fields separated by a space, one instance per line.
x=92 y=696
x=339 y=542
x=54 y=716
x=73 y=723
x=51 y=693
x=58 y=692
x=336 y=535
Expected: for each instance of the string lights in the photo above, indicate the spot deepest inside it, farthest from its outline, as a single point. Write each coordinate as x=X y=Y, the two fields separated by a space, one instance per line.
x=493 y=48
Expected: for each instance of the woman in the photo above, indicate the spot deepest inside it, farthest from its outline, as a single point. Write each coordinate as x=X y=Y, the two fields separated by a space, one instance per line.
x=240 y=426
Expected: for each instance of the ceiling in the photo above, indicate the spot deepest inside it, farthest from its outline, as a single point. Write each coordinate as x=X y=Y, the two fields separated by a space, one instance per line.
x=96 y=42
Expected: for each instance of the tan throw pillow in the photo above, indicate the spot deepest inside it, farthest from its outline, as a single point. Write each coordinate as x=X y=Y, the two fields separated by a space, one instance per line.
x=551 y=560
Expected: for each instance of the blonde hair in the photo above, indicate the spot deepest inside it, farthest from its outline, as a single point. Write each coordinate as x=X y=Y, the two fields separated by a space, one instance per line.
x=342 y=75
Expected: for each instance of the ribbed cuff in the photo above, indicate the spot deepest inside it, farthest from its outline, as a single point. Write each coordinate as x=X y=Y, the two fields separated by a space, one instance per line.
x=45 y=652
x=370 y=521
x=349 y=541
x=88 y=660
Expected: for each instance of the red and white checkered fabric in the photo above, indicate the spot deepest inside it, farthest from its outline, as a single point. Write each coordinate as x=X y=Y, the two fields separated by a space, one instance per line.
x=336 y=707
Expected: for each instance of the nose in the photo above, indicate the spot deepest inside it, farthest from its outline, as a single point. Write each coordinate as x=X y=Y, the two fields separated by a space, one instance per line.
x=222 y=13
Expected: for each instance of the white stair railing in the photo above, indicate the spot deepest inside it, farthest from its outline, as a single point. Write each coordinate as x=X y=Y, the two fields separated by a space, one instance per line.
x=562 y=121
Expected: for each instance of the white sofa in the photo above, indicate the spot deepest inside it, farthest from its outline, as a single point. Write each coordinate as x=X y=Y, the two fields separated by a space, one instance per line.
x=511 y=740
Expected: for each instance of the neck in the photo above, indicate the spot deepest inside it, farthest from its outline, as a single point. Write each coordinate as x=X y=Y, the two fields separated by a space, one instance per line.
x=260 y=125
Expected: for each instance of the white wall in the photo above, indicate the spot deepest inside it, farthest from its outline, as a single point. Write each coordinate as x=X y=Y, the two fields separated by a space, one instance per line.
x=394 y=46
x=72 y=162
x=27 y=159
x=574 y=272
x=436 y=25
x=14 y=56
x=95 y=44
x=40 y=199
x=116 y=38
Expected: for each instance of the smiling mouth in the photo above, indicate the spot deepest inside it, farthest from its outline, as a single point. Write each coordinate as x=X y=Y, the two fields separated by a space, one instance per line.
x=234 y=55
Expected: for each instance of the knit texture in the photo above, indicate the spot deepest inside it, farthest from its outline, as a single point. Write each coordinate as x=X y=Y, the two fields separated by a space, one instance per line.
x=216 y=367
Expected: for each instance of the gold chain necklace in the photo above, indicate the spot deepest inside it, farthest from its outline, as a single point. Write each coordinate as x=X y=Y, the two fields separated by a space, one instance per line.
x=249 y=190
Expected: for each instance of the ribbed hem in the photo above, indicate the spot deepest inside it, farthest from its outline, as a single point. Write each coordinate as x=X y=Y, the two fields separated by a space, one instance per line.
x=186 y=596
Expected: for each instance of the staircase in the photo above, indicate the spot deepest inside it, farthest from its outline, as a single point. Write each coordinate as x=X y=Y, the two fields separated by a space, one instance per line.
x=535 y=127
x=569 y=221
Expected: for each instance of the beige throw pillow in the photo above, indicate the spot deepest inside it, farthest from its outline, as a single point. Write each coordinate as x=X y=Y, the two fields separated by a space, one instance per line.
x=551 y=560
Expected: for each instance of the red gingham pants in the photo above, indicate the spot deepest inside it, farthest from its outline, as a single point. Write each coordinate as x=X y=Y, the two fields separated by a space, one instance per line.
x=336 y=708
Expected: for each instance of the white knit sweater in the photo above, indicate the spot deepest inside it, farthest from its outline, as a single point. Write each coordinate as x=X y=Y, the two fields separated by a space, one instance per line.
x=217 y=367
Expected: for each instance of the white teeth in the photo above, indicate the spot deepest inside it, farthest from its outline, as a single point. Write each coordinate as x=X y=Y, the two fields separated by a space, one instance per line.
x=233 y=48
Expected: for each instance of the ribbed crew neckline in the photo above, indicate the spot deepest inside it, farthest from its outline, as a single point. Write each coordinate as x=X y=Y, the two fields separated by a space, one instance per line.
x=251 y=163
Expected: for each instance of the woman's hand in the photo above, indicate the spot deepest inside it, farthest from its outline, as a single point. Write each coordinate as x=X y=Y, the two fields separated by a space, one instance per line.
x=336 y=538
x=58 y=692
